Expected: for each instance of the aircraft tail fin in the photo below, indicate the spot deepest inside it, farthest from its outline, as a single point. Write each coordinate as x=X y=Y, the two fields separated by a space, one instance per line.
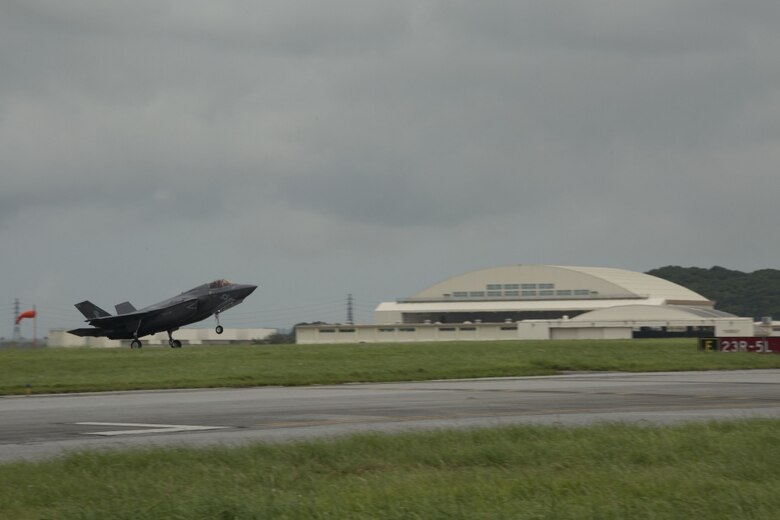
x=124 y=308
x=90 y=310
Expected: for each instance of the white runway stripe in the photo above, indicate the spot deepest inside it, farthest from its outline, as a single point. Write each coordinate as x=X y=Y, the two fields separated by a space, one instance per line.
x=146 y=428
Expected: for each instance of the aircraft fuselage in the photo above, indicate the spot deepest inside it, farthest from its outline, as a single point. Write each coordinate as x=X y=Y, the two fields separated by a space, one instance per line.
x=168 y=315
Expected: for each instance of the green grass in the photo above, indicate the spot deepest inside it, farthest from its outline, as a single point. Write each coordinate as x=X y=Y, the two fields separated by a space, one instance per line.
x=715 y=471
x=53 y=370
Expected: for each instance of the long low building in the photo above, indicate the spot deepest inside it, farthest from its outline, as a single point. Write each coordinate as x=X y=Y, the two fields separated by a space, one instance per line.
x=61 y=338
x=540 y=302
x=525 y=330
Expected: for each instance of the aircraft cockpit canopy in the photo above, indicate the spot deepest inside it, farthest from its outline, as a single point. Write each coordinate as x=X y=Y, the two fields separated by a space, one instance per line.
x=218 y=284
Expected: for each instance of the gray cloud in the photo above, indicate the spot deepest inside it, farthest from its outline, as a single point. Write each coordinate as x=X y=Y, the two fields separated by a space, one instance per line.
x=376 y=146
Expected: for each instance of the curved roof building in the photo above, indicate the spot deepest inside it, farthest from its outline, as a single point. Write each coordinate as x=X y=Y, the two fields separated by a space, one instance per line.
x=522 y=292
x=540 y=302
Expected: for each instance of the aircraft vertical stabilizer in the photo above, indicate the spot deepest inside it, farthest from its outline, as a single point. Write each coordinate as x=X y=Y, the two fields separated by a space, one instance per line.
x=90 y=310
x=124 y=308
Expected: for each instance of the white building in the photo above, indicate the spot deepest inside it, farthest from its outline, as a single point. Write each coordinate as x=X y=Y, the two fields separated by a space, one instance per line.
x=541 y=302
x=520 y=292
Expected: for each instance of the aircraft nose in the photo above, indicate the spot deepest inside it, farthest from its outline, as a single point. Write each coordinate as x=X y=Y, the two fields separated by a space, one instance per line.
x=245 y=290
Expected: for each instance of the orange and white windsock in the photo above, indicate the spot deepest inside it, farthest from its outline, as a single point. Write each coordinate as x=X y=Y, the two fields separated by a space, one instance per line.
x=25 y=314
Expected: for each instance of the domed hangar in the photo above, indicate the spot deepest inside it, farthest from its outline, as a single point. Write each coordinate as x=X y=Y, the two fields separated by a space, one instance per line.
x=535 y=292
x=539 y=302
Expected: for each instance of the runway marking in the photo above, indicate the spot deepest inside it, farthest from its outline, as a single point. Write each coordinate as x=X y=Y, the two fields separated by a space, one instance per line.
x=146 y=428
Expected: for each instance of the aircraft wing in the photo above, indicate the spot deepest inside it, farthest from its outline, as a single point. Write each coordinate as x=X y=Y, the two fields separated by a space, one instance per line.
x=113 y=322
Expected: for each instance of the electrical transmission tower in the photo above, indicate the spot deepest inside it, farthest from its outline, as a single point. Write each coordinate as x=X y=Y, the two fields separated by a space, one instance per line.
x=350 y=315
x=17 y=331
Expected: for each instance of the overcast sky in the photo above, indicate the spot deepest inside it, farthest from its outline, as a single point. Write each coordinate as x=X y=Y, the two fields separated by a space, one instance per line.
x=375 y=147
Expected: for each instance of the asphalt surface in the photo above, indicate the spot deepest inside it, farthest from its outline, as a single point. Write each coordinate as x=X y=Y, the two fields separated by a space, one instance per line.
x=44 y=426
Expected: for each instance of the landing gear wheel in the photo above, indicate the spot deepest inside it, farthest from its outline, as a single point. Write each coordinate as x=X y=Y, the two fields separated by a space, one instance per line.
x=173 y=343
x=135 y=344
x=219 y=329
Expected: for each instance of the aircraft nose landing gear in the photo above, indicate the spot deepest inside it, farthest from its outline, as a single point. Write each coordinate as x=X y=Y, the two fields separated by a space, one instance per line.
x=136 y=343
x=220 y=329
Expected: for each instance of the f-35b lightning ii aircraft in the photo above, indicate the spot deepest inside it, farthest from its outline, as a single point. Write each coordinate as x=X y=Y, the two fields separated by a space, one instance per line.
x=189 y=307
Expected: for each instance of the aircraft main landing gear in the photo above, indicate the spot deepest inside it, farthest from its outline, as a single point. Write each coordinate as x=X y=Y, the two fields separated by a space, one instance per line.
x=173 y=343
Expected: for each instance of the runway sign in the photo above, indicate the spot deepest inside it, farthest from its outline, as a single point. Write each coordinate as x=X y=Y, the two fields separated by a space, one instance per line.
x=762 y=345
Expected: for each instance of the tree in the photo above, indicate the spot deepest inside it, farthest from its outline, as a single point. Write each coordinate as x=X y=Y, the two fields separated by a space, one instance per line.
x=755 y=294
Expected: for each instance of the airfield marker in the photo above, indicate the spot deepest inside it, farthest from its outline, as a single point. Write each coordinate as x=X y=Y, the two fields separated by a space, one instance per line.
x=147 y=428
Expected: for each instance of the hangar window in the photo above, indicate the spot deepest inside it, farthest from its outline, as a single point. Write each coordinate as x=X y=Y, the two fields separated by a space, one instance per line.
x=494 y=293
x=468 y=328
x=386 y=330
x=346 y=330
x=407 y=329
x=460 y=294
x=546 y=286
x=546 y=293
x=327 y=330
x=529 y=293
x=508 y=328
x=529 y=286
x=477 y=294
x=563 y=292
x=512 y=286
x=511 y=293
x=494 y=287
x=581 y=292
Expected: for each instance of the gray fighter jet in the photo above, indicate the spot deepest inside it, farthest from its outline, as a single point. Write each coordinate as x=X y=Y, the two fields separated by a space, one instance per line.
x=194 y=305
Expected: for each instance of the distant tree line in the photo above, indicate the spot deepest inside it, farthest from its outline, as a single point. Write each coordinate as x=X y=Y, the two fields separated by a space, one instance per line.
x=276 y=338
x=284 y=337
x=755 y=294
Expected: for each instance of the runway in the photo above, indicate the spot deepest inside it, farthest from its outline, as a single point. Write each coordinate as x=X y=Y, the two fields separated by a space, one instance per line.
x=43 y=426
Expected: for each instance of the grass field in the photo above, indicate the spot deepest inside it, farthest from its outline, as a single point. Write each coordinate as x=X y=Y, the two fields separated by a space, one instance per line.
x=53 y=370
x=715 y=471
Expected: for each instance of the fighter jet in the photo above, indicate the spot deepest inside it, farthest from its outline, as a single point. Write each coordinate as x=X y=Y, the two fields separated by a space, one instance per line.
x=189 y=307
